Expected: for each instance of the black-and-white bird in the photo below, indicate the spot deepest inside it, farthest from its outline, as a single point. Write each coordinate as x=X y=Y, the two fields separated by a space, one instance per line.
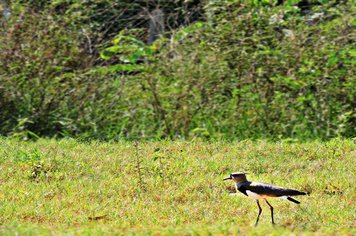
x=260 y=191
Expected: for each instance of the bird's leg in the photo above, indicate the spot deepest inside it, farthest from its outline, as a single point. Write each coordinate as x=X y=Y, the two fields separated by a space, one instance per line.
x=271 y=207
x=259 y=212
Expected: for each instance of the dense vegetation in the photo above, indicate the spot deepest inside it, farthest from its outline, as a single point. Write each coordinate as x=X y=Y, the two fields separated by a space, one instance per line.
x=66 y=187
x=221 y=69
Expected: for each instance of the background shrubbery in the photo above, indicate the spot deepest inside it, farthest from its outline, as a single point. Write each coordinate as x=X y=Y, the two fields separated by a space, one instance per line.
x=221 y=70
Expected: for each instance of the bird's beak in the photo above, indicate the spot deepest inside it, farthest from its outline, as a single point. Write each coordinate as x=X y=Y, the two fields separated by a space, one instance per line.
x=227 y=178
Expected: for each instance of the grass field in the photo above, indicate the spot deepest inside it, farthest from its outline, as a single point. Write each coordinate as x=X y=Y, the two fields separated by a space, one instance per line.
x=56 y=187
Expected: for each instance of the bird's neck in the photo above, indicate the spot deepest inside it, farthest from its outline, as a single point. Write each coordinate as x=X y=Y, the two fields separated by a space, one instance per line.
x=241 y=182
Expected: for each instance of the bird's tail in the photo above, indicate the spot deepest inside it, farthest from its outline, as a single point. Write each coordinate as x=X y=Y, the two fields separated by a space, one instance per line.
x=293 y=200
x=292 y=192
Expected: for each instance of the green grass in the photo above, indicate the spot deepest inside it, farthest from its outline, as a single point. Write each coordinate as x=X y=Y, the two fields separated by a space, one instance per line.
x=52 y=187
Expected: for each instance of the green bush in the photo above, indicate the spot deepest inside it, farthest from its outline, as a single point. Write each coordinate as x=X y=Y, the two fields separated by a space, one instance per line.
x=249 y=71
x=262 y=72
x=40 y=57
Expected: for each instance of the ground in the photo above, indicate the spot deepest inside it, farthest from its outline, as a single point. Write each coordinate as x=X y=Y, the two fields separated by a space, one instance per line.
x=56 y=187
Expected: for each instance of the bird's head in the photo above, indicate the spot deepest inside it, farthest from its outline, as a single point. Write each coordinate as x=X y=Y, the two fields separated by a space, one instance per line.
x=237 y=177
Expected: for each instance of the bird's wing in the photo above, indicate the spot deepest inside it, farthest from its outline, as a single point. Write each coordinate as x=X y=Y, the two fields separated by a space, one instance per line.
x=271 y=190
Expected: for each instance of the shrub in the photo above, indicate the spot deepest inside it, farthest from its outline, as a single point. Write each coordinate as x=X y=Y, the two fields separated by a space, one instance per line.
x=262 y=72
x=249 y=71
x=40 y=57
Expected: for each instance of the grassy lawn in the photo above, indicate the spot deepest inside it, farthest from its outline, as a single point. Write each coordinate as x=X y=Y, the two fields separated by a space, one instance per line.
x=53 y=187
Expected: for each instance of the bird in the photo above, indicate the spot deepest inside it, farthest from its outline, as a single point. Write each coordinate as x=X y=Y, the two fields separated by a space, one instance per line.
x=262 y=191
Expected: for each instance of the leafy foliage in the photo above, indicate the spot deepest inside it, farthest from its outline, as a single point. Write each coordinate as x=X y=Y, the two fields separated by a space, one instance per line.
x=263 y=72
x=246 y=70
x=39 y=60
